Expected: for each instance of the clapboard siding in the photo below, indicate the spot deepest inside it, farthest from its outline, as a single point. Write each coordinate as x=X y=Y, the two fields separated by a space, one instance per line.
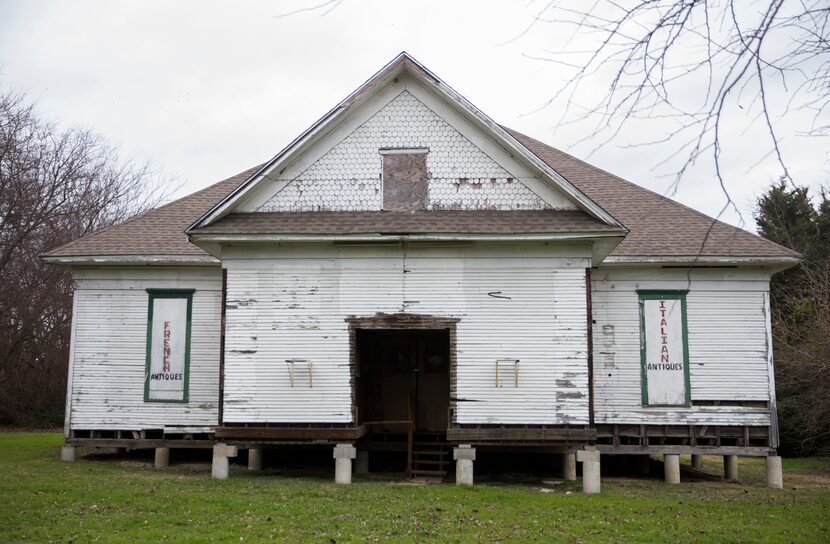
x=110 y=342
x=728 y=344
x=292 y=303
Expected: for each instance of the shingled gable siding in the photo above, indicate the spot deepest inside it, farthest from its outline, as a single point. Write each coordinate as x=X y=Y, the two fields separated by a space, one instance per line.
x=521 y=301
x=110 y=350
x=348 y=177
x=728 y=345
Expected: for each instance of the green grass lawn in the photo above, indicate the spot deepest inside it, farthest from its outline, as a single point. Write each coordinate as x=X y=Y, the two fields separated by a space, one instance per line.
x=125 y=500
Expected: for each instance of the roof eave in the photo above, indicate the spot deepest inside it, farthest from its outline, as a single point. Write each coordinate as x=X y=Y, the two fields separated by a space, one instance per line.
x=130 y=260
x=775 y=263
x=602 y=242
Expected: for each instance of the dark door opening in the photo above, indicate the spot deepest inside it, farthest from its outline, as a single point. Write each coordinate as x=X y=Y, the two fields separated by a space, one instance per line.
x=404 y=375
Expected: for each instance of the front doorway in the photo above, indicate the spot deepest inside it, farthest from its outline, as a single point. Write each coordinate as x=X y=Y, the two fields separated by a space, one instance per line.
x=404 y=375
x=402 y=379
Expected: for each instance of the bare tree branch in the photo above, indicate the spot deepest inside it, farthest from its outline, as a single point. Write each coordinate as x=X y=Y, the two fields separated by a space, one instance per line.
x=55 y=186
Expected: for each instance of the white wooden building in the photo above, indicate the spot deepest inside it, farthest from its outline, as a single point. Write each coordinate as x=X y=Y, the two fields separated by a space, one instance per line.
x=409 y=272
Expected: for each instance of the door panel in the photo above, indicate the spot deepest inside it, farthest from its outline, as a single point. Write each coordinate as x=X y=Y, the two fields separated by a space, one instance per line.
x=433 y=387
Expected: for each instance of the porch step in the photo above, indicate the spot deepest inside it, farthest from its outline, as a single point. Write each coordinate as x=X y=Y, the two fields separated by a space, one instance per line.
x=430 y=457
x=439 y=454
x=422 y=472
x=429 y=462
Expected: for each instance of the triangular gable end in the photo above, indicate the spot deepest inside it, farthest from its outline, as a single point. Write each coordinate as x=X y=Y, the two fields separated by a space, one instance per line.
x=348 y=177
x=471 y=161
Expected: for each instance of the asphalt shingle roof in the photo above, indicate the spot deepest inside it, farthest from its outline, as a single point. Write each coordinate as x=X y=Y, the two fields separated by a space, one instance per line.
x=419 y=222
x=156 y=232
x=659 y=226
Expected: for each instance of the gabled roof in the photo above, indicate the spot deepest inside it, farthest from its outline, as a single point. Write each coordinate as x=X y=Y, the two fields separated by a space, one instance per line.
x=659 y=228
x=373 y=90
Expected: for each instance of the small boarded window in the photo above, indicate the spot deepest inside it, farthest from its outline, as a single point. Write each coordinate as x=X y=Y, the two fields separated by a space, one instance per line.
x=405 y=181
x=168 y=345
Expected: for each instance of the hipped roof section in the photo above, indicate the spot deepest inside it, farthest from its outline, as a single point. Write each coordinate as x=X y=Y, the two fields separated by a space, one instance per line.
x=404 y=64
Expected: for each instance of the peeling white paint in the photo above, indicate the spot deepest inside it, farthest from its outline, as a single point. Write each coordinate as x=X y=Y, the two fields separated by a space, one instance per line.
x=542 y=323
x=727 y=345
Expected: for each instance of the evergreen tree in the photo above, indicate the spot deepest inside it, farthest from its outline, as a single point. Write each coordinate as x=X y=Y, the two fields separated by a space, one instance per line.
x=800 y=313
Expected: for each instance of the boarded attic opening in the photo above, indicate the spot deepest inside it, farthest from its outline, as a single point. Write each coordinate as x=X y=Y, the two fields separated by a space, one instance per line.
x=405 y=181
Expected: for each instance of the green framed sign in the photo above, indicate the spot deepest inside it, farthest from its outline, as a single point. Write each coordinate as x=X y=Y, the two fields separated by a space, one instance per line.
x=664 y=348
x=167 y=373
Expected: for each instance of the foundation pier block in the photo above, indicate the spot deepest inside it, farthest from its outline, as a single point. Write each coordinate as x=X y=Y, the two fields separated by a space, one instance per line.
x=255 y=459
x=68 y=453
x=343 y=455
x=361 y=465
x=671 y=468
x=591 y=479
x=464 y=456
x=162 y=459
x=775 y=475
x=697 y=462
x=221 y=465
x=569 y=467
x=730 y=467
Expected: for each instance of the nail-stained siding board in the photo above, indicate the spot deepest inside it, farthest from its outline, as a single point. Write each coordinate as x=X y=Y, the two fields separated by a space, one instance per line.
x=461 y=176
x=404 y=182
x=109 y=359
x=294 y=305
x=728 y=342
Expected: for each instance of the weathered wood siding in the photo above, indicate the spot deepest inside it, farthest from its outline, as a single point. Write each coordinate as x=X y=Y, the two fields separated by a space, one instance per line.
x=108 y=357
x=728 y=345
x=523 y=302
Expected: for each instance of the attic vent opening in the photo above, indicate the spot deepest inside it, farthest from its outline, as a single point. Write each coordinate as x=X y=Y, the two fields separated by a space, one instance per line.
x=405 y=180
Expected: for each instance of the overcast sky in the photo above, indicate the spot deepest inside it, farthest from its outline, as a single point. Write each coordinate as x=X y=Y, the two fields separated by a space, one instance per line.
x=203 y=90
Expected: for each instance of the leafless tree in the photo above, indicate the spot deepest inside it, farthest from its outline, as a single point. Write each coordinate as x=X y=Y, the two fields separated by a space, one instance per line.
x=696 y=65
x=55 y=186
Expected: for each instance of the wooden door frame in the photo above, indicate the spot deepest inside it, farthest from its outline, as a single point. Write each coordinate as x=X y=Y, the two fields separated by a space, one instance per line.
x=401 y=321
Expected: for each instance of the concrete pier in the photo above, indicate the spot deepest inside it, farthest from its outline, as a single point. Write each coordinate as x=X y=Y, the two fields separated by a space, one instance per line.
x=68 y=453
x=464 y=456
x=671 y=468
x=730 y=467
x=361 y=466
x=343 y=455
x=162 y=459
x=255 y=459
x=569 y=467
x=591 y=476
x=697 y=462
x=775 y=475
x=221 y=465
